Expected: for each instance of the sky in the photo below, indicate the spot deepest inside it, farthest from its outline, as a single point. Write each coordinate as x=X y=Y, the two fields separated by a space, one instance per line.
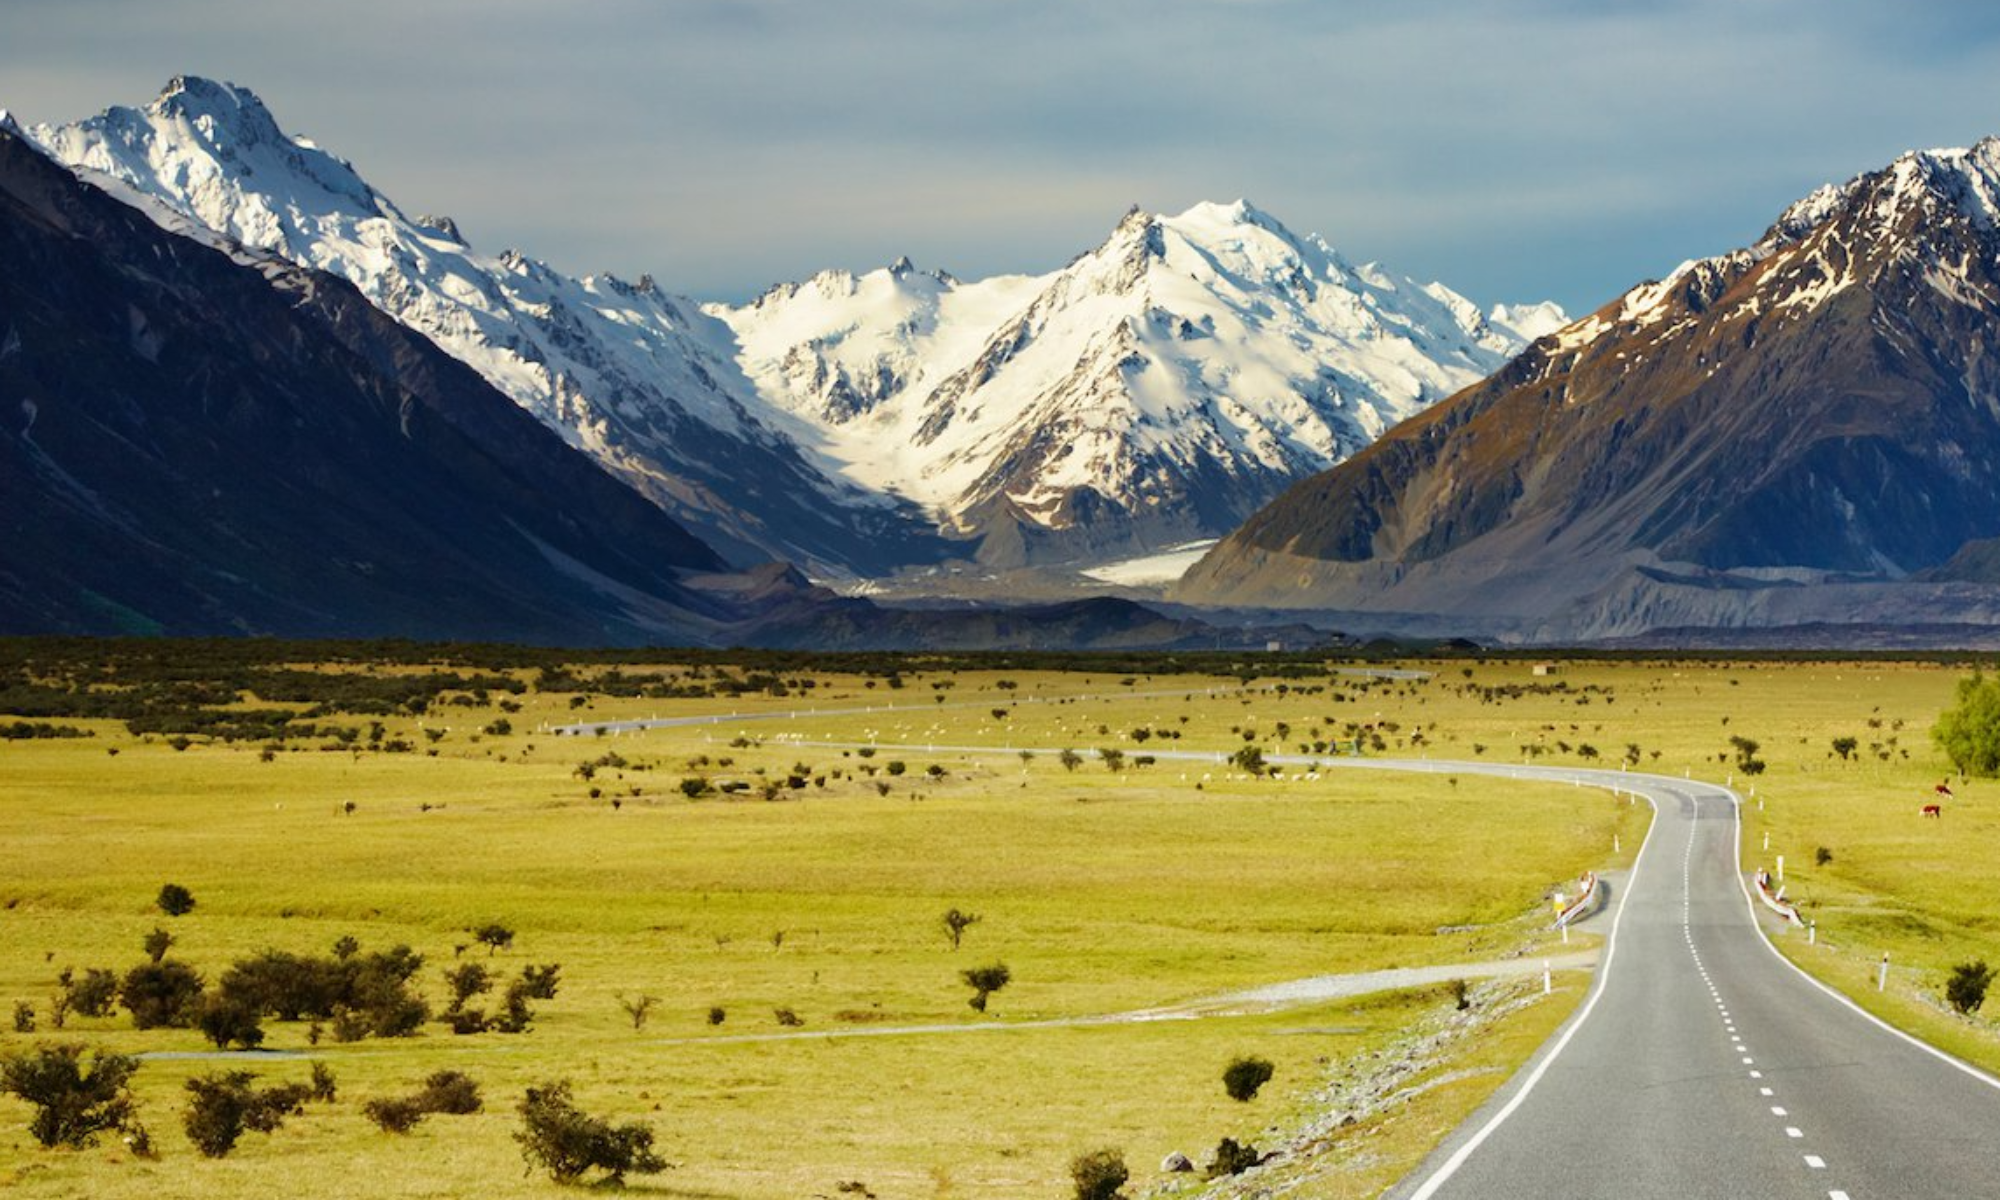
x=1516 y=150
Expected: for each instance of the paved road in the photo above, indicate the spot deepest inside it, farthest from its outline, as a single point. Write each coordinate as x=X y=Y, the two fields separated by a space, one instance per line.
x=1703 y=1065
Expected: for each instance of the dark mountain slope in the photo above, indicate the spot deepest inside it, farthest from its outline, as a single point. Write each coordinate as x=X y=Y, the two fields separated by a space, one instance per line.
x=1822 y=409
x=192 y=442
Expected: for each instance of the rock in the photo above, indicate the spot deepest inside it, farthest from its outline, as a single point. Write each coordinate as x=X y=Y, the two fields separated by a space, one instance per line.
x=1176 y=1163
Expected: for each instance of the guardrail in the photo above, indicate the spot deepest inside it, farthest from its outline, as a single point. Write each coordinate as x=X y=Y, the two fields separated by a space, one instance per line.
x=1585 y=901
x=1776 y=903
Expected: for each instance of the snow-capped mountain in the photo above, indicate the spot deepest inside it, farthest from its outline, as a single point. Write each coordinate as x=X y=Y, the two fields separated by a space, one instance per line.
x=1805 y=430
x=640 y=379
x=1157 y=389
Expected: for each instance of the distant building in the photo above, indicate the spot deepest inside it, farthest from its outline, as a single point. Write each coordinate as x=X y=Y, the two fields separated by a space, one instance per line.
x=1546 y=668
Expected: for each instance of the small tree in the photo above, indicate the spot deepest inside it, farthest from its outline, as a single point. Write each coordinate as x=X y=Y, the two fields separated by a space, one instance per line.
x=565 y=1141
x=175 y=900
x=1969 y=732
x=638 y=1008
x=1099 y=1175
x=494 y=937
x=1249 y=759
x=956 y=923
x=1965 y=990
x=1845 y=747
x=73 y=1102
x=157 y=943
x=1242 y=1078
x=94 y=994
x=1069 y=759
x=984 y=981
x=452 y=1092
x=465 y=982
x=225 y=1020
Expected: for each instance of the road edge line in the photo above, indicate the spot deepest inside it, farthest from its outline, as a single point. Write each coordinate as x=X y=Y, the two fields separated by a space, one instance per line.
x=1944 y=1056
x=1458 y=1158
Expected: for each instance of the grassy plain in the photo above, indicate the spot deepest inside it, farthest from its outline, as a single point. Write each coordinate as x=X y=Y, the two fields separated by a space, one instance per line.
x=1104 y=891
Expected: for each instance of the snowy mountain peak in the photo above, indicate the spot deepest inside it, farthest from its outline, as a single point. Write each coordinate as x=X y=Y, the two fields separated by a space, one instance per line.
x=8 y=124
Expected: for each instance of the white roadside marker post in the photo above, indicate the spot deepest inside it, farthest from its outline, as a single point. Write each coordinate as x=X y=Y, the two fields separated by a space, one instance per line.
x=1548 y=983
x=1781 y=868
x=1882 y=976
x=1812 y=933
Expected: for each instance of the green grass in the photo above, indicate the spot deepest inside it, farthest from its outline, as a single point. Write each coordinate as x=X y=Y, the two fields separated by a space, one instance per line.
x=1103 y=892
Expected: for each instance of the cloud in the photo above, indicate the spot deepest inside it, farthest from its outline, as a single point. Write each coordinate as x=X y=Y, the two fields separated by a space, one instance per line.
x=1558 y=147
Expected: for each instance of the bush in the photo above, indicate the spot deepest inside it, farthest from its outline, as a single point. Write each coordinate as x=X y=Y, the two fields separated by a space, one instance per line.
x=94 y=994
x=694 y=786
x=564 y=1141
x=493 y=936
x=157 y=943
x=73 y=1103
x=175 y=900
x=323 y=1087
x=161 y=994
x=1965 y=990
x=1099 y=1175
x=1232 y=1159
x=539 y=983
x=24 y=1017
x=452 y=1092
x=224 y=1105
x=1242 y=1078
x=394 y=1114
x=225 y=1021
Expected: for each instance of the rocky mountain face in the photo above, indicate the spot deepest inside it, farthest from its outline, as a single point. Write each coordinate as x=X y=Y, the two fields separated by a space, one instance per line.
x=1153 y=392
x=199 y=439
x=1156 y=390
x=1807 y=430
x=640 y=379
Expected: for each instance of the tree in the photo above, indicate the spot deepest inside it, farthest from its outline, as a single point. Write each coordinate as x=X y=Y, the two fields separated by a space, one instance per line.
x=73 y=1102
x=1250 y=759
x=1242 y=1078
x=94 y=994
x=157 y=943
x=956 y=923
x=1965 y=990
x=1845 y=746
x=1099 y=1175
x=175 y=900
x=224 y=1020
x=1069 y=759
x=638 y=1008
x=494 y=936
x=565 y=1141
x=1969 y=732
x=1114 y=759
x=984 y=981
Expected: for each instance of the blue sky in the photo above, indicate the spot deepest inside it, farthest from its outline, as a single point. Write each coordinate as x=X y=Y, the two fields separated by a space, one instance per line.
x=1515 y=149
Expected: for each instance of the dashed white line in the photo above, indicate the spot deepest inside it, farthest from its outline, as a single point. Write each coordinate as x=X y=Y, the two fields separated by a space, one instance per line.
x=1793 y=1131
x=1815 y=1162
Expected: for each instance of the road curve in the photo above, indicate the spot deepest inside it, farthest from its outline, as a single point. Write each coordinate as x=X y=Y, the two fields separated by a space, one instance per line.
x=1704 y=1065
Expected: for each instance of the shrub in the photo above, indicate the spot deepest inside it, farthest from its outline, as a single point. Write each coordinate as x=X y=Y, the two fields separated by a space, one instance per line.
x=323 y=1086
x=157 y=943
x=224 y=1105
x=73 y=1103
x=1242 y=1078
x=539 y=983
x=161 y=994
x=465 y=982
x=452 y=1092
x=175 y=900
x=1232 y=1159
x=1965 y=990
x=786 y=1017
x=24 y=1017
x=984 y=981
x=564 y=1141
x=1822 y=856
x=94 y=994
x=1099 y=1175
x=394 y=1114
x=225 y=1021
x=895 y=766
x=717 y=1014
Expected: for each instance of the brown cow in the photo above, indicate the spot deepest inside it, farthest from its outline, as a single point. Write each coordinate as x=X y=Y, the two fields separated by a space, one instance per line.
x=1934 y=810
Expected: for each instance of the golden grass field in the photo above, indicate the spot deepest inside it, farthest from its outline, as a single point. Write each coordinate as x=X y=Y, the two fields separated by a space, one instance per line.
x=1103 y=891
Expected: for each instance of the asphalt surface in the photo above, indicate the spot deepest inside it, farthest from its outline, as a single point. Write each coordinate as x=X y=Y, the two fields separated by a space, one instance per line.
x=1704 y=1065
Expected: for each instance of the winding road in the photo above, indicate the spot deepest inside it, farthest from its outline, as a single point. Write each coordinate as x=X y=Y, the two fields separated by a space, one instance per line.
x=1704 y=1065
